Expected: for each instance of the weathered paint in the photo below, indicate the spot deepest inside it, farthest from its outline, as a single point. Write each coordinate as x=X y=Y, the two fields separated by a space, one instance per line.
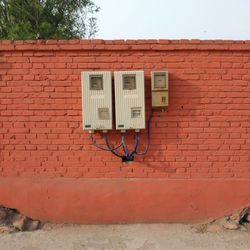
x=124 y=200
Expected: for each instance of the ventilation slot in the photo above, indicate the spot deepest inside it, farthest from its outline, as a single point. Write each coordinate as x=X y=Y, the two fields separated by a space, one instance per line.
x=103 y=113
x=136 y=113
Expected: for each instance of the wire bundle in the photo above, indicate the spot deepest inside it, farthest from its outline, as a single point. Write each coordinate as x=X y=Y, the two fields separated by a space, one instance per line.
x=127 y=156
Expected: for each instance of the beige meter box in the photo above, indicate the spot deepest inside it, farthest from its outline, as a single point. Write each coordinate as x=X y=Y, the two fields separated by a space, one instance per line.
x=97 y=100
x=129 y=100
x=159 y=87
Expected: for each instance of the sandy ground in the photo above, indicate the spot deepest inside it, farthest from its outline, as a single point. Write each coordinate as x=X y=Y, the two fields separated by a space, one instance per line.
x=118 y=237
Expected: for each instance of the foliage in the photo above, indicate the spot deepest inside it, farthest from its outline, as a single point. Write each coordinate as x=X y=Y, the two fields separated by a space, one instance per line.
x=47 y=19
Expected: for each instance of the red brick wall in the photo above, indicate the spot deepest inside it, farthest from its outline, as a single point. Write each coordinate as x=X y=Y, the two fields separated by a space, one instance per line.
x=204 y=132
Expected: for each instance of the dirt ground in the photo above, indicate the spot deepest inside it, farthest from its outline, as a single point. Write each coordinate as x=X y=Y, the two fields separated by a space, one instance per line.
x=118 y=237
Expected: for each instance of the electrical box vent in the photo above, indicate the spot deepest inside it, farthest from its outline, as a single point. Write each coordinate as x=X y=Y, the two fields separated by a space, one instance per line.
x=103 y=113
x=129 y=100
x=97 y=100
x=136 y=112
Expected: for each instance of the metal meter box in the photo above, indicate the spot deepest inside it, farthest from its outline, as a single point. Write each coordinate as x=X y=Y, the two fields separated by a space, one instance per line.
x=159 y=87
x=97 y=100
x=129 y=100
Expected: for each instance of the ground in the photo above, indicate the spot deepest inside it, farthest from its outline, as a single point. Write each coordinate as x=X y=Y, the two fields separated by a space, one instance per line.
x=119 y=237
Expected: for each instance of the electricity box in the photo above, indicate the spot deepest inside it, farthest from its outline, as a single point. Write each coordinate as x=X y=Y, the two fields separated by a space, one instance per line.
x=159 y=87
x=97 y=100
x=129 y=100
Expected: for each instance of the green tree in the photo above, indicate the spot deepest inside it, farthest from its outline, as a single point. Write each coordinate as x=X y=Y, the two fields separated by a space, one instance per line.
x=47 y=19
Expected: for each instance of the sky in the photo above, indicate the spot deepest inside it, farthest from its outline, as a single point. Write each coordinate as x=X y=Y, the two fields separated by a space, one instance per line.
x=174 y=19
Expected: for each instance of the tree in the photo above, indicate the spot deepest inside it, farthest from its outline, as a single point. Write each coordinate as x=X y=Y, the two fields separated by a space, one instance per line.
x=47 y=19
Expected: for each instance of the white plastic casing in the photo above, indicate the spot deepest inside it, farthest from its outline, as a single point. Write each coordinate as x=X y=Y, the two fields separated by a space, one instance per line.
x=129 y=100
x=97 y=100
x=159 y=80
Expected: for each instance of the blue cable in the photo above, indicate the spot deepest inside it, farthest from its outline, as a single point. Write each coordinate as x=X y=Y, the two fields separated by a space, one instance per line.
x=136 y=145
x=147 y=147
x=127 y=156
x=113 y=150
x=125 y=148
x=99 y=147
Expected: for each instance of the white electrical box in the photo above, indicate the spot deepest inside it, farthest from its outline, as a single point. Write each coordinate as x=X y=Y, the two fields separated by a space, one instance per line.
x=97 y=100
x=129 y=100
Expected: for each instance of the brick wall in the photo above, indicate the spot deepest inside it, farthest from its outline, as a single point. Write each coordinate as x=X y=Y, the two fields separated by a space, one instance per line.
x=203 y=134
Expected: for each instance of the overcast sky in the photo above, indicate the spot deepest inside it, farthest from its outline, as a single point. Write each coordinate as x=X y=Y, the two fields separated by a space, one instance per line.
x=174 y=19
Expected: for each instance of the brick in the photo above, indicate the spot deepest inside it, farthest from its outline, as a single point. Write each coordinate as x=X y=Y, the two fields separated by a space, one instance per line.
x=203 y=134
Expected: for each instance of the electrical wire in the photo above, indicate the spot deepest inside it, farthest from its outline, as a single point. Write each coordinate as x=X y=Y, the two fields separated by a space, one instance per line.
x=125 y=148
x=148 y=143
x=113 y=150
x=128 y=156
x=131 y=155
x=100 y=147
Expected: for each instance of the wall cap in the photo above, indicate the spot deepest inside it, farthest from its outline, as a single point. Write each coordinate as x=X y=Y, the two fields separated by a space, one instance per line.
x=124 y=45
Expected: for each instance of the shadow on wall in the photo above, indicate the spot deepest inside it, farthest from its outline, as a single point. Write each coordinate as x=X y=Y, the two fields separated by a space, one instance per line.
x=171 y=130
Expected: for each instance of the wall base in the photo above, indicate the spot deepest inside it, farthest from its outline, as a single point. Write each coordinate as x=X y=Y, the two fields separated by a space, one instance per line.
x=98 y=201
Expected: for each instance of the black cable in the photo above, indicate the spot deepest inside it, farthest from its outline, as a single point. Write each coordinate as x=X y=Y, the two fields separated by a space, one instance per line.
x=128 y=156
x=113 y=150
x=149 y=124
x=99 y=147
